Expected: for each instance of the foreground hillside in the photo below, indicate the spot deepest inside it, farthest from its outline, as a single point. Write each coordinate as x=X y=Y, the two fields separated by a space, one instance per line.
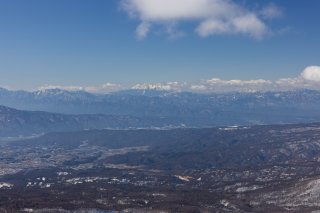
x=233 y=169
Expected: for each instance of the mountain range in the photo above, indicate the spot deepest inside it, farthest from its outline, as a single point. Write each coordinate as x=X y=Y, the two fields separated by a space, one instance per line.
x=14 y=123
x=61 y=110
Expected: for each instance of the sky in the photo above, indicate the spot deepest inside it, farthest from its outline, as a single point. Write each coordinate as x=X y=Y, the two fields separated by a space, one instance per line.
x=97 y=44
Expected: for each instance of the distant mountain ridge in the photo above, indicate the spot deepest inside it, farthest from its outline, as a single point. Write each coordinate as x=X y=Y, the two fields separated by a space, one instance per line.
x=15 y=123
x=154 y=108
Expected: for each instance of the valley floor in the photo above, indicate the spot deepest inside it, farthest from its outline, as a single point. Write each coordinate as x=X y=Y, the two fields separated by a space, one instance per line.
x=236 y=169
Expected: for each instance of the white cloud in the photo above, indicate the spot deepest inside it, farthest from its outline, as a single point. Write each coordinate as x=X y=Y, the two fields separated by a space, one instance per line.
x=212 y=27
x=311 y=73
x=105 y=88
x=219 y=85
x=271 y=11
x=248 y=24
x=68 y=88
x=308 y=79
x=199 y=88
x=143 y=30
x=110 y=87
x=216 y=81
x=176 y=86
x=212 y=16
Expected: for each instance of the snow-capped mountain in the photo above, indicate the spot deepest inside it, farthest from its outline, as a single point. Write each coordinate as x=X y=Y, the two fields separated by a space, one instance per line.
x=179 y=108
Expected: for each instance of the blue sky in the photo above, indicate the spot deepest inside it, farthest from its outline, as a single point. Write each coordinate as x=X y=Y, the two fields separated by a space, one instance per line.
x=91 y=42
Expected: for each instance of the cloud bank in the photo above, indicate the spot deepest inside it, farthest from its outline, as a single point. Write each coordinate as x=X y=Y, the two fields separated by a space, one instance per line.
x=308 y=79
x=105 y=88
x=311 y=73
x=212 y=17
